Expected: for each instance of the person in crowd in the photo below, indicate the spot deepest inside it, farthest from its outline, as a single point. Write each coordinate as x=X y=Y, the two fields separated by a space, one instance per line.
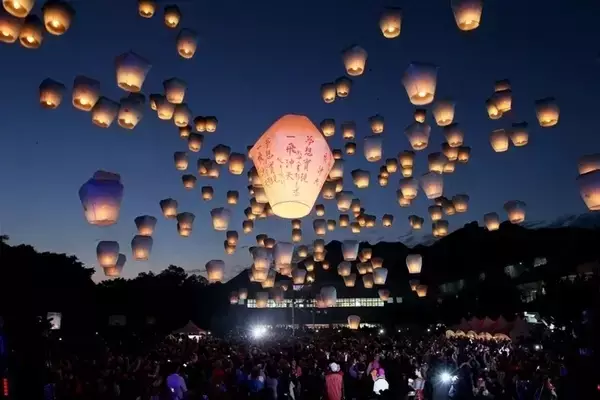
x=380 y=384
x=176 y=384
x=334 y=383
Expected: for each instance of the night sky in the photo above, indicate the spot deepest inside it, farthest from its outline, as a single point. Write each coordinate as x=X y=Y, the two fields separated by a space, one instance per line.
x=259 y=60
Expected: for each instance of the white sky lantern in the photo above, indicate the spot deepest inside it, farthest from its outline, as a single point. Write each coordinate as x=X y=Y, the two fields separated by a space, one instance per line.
x=328 y=190
x=221 y=153
x=247 y=226
x=503 y=100
x=146 y=8
x=261 y=256
x=320 y=226
x=464 y=154
x=174 y=90
x=406 y=158
x=547 y=112
x=232 y=197
x=348 y=130
x=185 y=222
x=355 y=227
x=189 y=181
x=331 y=224
x=376 y=262
x=107 y=253
x=492 y=110
x=588 y=163
x=377 y=124
x=343 y=86
x=436 y=162
x=130 y=112
x=298 y=276
x=355 y=60
x=350 y=148
x=421 y=290
x=502 y=84
x=361 y=178
x=211 y=123
x=409 y=188
x=18 y=8
x=172 y=16
x=57 y=16
x=131 y=71
x=499 y=140
x=391 y=164
x=86 y=92
x=383 y=180
x=449 y=167
x=296 y=223
x=319 y=210
x=236 y=163
x=449 y=208
x=329 y=295
x=169 y=208
x=467 y=13
x=350 y=249
x=515 y=210
x=344 y=200
x=491 y=221
x=420 y=81
x=416 y=222
x=195 y=141
x=328 y=127
x=31 y=35
x=259 y=275
x=373 y=147
x=353 y=322
x=418 y=135
x=165 y=110
x=101 y=198
x=260 y=195
x=187 y=43
x=432 y=184
x=302 y=251
x=440 y=228
x=200 y=123
x=262 y=299
x=390 y=22
x=435 y=212
x=589 y=187
x=283 y=253
x=454 y=135
x=182 y=115
x=141 y=246
x=344 y=269
x=387 y=220
x=10 y=27
x=181 y=160
x=51 y=93
x=443 y=112
x=420 y=114
x=460 y=202
x=220 y=218
x=337 y=170
x=232 y=238
x=519 y=134
x=403 y=201
x=215 y=270
x=292 y=138
x=337 y=154
x=207 y=193
x=256 y=207
x=116 y=270
x=270 y=243
x=145 y=225
x=328 y=92
x=384 y=294
x=368 y=280
x=344 y=220
x=451 y=153
x=380 y=276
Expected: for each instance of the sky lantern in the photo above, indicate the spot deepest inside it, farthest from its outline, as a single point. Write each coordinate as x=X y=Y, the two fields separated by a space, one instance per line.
x=283 y=253
x=464 y=154
x=18 y=8
x=406 y=158
x=175 y=90
x=443 y=112
x=377 y=123
x=185 y=222
x=169 y=208
x=344 y=220
x=328 y=92
x=101 y=198
x=384 y=294
x=391 y=165
x=361 y=178
x=420 y=81
x=215 y=270
x=296 y=235
x=454 y=135
x=187 y=43
x=189 y=181
x=380 y=276
x=211 y=123
x=320 y=226
x=460 y=202
x=588 y=163
x=146 y=8
x=337 y=170
x=220 y=218
x=131 y=71
x=247 y=226
x=350 y=148
x=207 y=193
x=141 y=246
x=51 y=93
x=319 y=210
x=165 y=111
x=451 y=153
x=390 y=22
x=355 y=60
x=355 y=227
x=350 y=250
x=519 y=134
x=319 y=256
x=589 y=188
x=270 y=243
x=153 y=98
x=325 y=265
x=172 y=16
x=344 y=268
x=435 y=212
x=403 y=201
x=449 y=208
x=57 y=16
x=436 y=162
x=440 y=228
x=499 y=140
x=328 y=190
x=195 y=141
x=421 y=290
x=259 y=275
x=237 y=163
x=418 y=135
x=343 y=86
x=145 y=225
x=348 y=130
x=296 y=223
x=353 y=322
x=10 y=27
x=31 y=35
x=107 y=253
x=449 y=167
x=243 y=293
x=515 y=210
x=298 y=276
x=432 y=184
x=221 y=153
x=491 y=221
x=337 y=154
x=331 y=224
x=467 y=13
x=547 y=112
x=414 y=263
x=116 y=269
x=86 y=92
x=344 y=200
x=130 y=112
x=409 y=188
x=368 y=280
x=376 y=262
x=328 y=127
x=350 y=280
x=260 y=195
x=416 y=222
x=200 y=123
x=503 y=100
x=492 y=110
x=373 y=147
x=181 y=160
x=302 y=251
x=383 y=179
x=329 y=295
x=292 y=138
x=182 y=115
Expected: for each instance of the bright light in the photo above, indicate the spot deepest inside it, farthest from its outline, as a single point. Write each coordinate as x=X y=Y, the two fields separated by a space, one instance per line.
x=445 y=377
x=259 y=331
x=381 y=331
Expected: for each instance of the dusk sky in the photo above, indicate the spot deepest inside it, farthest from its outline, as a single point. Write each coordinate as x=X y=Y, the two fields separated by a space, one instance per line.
x=259 y=60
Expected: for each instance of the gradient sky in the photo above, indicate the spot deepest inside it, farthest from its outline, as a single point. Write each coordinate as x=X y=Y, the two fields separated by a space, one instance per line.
x=259 y=60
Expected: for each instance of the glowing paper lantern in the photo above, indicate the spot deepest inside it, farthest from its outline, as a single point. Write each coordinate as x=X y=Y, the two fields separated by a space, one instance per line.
x=503 y=100
x=350 y=148
x=18 y=8
x=172 y=16
x=10 y=27
x=492 y=109
x=247 y=226
x=181 y=160
x=348 y=130
x=449 y=208
x=384 y=294
x=373 y=148
x=185 y=222
x=343 y=86
x=320 y=226
x=588 y=163
x=101 y=198
x=337 y=170
x=145 y=225
x=435 y=212
x=232 y=197
x=436 y=162
x=350 y=250
x=368 y=280
x=107 y=253
x=432 y=184
x=350 y=280
x=329 y=295
x=355 y=60
x=174 y=90
x=141 y=246
x=233 y=298
x=464 y=154
x=344 y=200
x=130 y=112
x=232 y=238
x=211 y=124
x=328 y=127
x=51 y=93
x=421 y=290
x=377 y=124
x=182 y=115
x=390 y=22
x=460 y=202
x=515 y=210
x=57 y=16
x=298 y=276
x=589 y=187
x=420 y=81
x=169 y=208
x=416 y=222
x=215 y=270
x=361 y=178
x=146 y=8
x=320 y=210
x=391 y=165
x=189 y=181
x=547 y=112
x=131 y=71
x=418 y=135
x=283 y=253
x=292 y=138
x=328 y=92
x=355 y=227
x=380 y=276
x=491 y=221
x=440 y=228
x=519 y=134
x=31 y=34
x=467 y=13
x=116 y=269
x=443 y=112
x=409 y=188
x=220 y=218
x=499 y=140
x=187 y=43
x=454 y=135
x=414 y=263
x=451 y=153
x=406 y=158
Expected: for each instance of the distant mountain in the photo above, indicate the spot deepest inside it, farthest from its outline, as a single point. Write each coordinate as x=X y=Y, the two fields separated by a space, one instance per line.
x=585 y=221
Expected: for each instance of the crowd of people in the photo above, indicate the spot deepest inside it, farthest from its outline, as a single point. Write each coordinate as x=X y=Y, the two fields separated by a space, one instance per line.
x=329 y=364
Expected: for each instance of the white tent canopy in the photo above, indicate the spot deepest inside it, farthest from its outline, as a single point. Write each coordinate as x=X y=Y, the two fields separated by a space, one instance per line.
x=190 y=329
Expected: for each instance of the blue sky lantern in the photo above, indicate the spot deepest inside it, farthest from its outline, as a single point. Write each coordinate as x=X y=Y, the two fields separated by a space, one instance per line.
x=131 y=71
x=101 y=198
